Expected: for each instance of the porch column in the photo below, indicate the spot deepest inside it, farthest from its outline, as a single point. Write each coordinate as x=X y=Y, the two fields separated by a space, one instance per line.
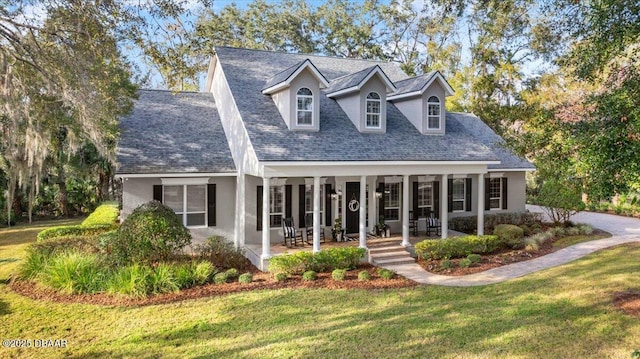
x=316 y=214
x=405 y=211
x=373 y=203
x=480 y=204
x=239 y=221
x=444 y=205
x=266 y=223
x=363 y=212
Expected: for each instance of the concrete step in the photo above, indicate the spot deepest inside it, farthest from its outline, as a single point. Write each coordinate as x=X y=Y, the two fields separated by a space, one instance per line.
x=391 y=254
x=392 y=261
x=373 y=250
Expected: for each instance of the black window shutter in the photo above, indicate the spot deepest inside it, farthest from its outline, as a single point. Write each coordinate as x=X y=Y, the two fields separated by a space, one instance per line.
x=327 y=205
x=301 y=203
x=487 y=183
x=211 y=205
x=504 y=192
x=450 y=195
x=415 y=200
x=259 y=209
x=288 y=191
x=467 y=195
x=380 y=203
x=436 y=199
x=157 y=192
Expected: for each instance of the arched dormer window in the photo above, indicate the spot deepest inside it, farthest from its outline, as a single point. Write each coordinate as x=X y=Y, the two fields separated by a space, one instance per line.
x=373 y=110
x=433 y=113
x=304 y=109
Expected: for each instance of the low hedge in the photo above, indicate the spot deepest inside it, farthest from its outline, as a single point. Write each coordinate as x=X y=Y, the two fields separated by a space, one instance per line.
x=469 y=224
x=324 y=261
x=457 y=247
x=103 y=219
x=512 y=236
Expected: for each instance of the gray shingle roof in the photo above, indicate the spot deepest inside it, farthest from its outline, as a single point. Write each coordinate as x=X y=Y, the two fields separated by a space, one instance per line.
x=282 y=76
x=485 y=135
x=338 y=139
x=412 y=84
x=173 y=133
x=348 y=81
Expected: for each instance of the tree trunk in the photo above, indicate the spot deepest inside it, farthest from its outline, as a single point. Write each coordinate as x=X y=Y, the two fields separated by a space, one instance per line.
x=32 y=191
x=62 y=192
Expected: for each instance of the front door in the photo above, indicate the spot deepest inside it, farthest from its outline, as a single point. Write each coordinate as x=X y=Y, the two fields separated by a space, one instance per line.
x=352 y=207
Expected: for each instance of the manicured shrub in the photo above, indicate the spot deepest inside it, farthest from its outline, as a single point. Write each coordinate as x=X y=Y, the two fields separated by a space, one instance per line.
x=557 y=231
x=474 y=258
x=324 y=261
x=309 y=275
x=572 y=231
x=464 y=263
x=280 y=277
x=446 y=264
x=527 y=231
x=131 y=280
x=560 y=199
x=163 y=279
x=151 y=233
x=512 y=236
x=74 y=272
x=385 y=273
x=364 y=276
x=105 y=215
x=339 y=275
x=222 y=253
x=103 y=219
x=245 y=278
x=469 y=224
x=232 y=273
x=220 y=278
x=457 y=247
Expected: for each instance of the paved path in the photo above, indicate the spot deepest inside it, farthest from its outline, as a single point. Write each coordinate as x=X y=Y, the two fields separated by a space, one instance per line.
x=623 y=229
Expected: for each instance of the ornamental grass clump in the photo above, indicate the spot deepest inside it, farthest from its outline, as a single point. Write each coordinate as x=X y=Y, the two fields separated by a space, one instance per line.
x=74 y=272
x=280 y=277
x=220 y=278
x=385 y=273
x=163 y=279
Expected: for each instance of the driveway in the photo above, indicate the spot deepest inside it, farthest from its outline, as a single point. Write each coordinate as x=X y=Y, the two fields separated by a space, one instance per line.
x=623 y=229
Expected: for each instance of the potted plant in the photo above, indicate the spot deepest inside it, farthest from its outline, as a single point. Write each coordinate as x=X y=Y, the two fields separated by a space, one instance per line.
x=337 y=232
x=382 y=229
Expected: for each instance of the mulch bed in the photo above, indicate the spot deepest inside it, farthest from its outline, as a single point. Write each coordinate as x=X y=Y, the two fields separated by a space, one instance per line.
x=490 y=261
x=260 y=281
x=628 y=302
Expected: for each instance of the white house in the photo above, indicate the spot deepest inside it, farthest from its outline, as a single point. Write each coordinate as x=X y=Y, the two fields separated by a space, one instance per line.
x=284 y=135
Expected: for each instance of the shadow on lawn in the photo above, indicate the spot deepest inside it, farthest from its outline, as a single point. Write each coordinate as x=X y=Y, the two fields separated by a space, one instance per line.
x=4 y=308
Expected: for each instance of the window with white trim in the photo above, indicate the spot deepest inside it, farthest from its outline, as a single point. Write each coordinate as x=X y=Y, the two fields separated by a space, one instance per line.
x=276 y=205
x=425 y=197
x=304 y=109
x=433 y=113
x=392 y=201
x=458 y=191
x=495 y=193
x=374 y=108
x=308 y=202
x=189 y=202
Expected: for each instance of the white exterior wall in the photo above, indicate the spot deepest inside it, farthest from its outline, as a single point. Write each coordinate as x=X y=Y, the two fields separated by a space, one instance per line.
x=351 y=106
x=282 y=100
x=137 y=191
x=412 y=109
x=304 y=79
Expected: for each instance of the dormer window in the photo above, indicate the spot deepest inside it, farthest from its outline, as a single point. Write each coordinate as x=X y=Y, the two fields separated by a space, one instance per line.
x=433 y=113
x=304 y=111
x=373 y=110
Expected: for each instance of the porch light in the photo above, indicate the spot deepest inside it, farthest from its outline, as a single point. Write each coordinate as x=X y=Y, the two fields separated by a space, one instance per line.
x=335 y=195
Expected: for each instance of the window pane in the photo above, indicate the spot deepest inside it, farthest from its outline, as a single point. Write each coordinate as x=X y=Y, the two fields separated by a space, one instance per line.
x=392 y=195
x=434 y=110
x=373 y=121
x=433 y=99
x=195 y=219
x=276 y=200
x=373 y=95
x=373 y=107
x=494 y=203
x=391 y=214
x=305 y=103
x=304 y=91
x=308 y=198
x=425 y=194
x=494 y=188
x=196 y=197
x=434 y=122
x=276 y=220
x=458 y=189
x=304 y=118
x=458 y=206
x=173 y=198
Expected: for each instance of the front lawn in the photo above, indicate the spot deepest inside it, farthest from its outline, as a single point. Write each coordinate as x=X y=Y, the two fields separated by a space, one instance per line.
x=562 y=312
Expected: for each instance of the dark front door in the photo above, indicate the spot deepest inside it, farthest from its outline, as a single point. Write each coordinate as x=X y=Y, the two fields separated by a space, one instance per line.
x=352 y=207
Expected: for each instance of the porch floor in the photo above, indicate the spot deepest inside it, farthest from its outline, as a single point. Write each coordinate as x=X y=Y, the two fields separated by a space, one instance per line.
x=278 y=248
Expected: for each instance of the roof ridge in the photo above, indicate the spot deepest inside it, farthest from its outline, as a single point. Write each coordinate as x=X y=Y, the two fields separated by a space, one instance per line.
x=430 y=73
x=307 y=54
x=368 y=69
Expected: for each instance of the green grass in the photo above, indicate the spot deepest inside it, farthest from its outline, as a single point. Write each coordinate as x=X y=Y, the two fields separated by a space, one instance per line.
x=571 y=240
x=557 y=313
